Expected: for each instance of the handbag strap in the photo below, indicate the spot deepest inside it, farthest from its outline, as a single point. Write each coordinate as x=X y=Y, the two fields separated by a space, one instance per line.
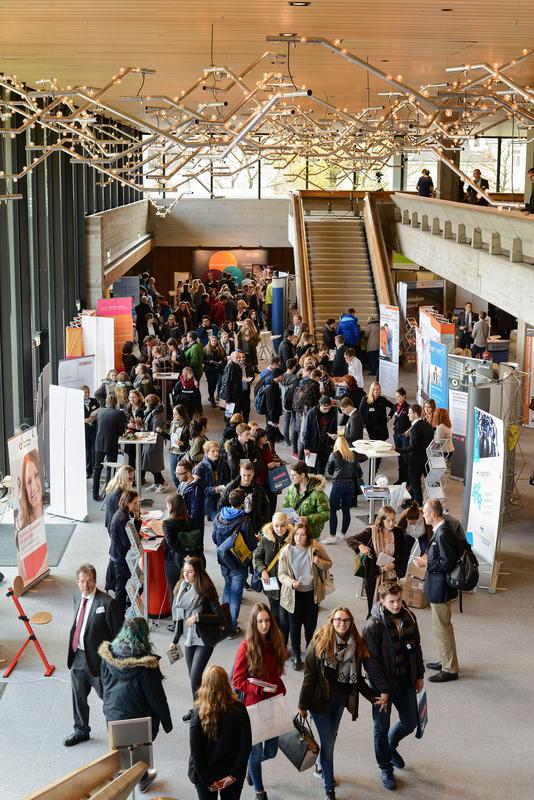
x=273 y=562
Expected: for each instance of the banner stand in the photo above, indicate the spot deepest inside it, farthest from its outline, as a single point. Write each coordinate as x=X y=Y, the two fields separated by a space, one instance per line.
x=67 y=457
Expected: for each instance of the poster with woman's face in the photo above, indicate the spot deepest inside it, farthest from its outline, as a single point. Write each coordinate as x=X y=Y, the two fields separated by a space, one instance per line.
x=28 y=511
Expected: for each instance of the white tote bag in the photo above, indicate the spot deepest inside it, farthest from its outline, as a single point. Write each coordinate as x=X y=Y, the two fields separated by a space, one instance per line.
x=270 y=718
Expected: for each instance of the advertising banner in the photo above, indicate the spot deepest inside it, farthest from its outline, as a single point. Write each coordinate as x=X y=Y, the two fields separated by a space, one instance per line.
x=98 y=340
x=120 y=308
x=389 y=349
x=67 y=456
x=432 y=328
x=461 y=373
x=486 y=486
x=76 y=372
x=127 y=286
x=28 y=509
x=73 y=342
x=438 y=374
x=529 y=379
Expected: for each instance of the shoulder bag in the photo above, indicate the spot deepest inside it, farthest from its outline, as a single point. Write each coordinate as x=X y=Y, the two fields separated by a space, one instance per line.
x=255 y=582
x=299 y=745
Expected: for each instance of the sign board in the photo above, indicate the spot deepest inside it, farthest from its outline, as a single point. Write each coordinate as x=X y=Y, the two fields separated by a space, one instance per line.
x=389 y=349
x=486 y=485
x=75 y=372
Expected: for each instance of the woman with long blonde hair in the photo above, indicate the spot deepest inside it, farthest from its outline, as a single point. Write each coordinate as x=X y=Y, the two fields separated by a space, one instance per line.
x=260 y=659
x=333 y=682
x=384 y=537
x=342 y=466
x=220 y=738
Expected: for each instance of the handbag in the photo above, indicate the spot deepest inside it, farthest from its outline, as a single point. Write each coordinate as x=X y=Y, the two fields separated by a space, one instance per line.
x=359 y=565
x=327 y=578
x=225 y=627
x=269 y=718
x=299 y=745
x=234 y=551
x=255 y=582
x=278 y=478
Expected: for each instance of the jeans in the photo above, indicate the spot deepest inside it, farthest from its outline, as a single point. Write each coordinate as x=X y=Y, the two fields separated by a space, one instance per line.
x=341 y=496
x=327 y=726
x=286 y=420
x=260 y=752
x=234 y=583
x=386 y=740
x=305 y=614
x=196 y=658
x=212 y=378
x=281 y=616
x=173 y=461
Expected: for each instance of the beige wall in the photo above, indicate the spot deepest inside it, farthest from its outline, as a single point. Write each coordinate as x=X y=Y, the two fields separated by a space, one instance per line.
x=223 y=223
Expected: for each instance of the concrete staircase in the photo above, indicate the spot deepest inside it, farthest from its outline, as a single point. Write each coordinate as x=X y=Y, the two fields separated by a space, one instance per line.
x=340 y=271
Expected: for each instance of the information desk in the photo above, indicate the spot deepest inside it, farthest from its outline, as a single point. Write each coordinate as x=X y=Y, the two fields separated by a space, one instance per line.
x=373 y=450
x=158 y=601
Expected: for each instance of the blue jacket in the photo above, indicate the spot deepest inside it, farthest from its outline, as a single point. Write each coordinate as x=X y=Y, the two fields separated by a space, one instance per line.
x=228 y=521
x=212 y=474
x=193 y=494
x=203 y=335
x=349 y=329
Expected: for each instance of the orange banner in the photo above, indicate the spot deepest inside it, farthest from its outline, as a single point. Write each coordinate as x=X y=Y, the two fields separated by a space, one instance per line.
x=73 y=343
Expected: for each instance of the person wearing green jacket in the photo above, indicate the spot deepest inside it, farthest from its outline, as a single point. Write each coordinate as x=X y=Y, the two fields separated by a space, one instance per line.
x=194 y=355
x=307 y=497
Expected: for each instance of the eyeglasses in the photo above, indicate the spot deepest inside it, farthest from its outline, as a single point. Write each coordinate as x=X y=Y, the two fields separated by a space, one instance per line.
x=343 y=620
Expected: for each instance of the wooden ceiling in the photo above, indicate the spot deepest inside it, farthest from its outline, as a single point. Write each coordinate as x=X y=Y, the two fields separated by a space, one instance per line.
x=87 y=42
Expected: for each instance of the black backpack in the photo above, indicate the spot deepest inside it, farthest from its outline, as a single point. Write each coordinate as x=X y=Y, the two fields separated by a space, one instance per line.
x=464 y=575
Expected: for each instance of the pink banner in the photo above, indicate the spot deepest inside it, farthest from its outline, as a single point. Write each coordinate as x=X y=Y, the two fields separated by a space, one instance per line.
x=114 y=306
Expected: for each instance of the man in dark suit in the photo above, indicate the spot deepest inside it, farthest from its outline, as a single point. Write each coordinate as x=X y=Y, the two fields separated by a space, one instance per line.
x=339 y=365
x=441 y=557
x=529 y=207
x=472 y=194
x=466 y=320
x=421 y=434
x=97 y=619
x=141 y=312
x=235 y=384
x=110 y=426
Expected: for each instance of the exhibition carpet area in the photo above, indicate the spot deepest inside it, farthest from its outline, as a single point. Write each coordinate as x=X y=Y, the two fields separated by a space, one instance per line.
x=478 y=742
x=57 y=537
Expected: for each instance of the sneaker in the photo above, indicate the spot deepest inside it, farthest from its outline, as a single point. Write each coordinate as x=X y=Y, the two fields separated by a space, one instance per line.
x=328 y=540
x=147 y=780
x=388 y=779
x=261 y=796
x=187 y=717
x=236 y=631
x=397 y=760
x=152 y=488
x=318 y=773
x=330 y=795
x=296 y=663
x=161 y=489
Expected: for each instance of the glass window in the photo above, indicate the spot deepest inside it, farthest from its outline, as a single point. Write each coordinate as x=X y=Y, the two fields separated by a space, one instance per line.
x=481 y=154
x=414 y=163
x=236 y=177
x=513 y=165
x=279 y=179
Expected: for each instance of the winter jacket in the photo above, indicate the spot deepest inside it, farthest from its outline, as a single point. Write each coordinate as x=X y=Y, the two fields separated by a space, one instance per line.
x=196 y=449
x=153 y=460
x=371 y=333
x=212 y=474
x=375 y=416
x=203 y=334
x=237 y=452
x=339 y=365
x=381 y=663
x=312 y=437
x=186 y=393
x=208 y=627
x=193 y=494
x=315 y=691
x=349 y=329
x=270 y=674
x=229 y=521
x=287 y=387
x=132 y=688
x=194 y=358
x=268 y=546
x=256 y=503
x=143 y=384
x=443 y=553
x=312 y=503
x=285 y=351
x=273 y=402
x=341 y=470
x=286 y=576
x=231 y=388
x=213 y=759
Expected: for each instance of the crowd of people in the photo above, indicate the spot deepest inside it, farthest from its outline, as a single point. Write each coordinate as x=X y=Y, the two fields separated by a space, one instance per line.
x=270 y=539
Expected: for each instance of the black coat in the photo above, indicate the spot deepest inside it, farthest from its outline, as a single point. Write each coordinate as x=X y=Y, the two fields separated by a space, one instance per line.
x=213 y=759
x=260 y=512
x=375 y=416
x=354 y=427
x=231 y=383
x=132 y=688
x=366 y=538
x=273 y=402
x=329 y=337
x=98 y=628
x=285 y=351
x=311 y=436
x=340 y=469
x=443 y=553
x=339 y=365
x=421 y=434
x=110 y=426
x=208 y=626
x=381 y=662
x=237 y=452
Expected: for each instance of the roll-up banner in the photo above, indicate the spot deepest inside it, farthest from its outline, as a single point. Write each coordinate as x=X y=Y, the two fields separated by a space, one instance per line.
x=483 y=525
x=438 y=374
x=120 y=309
x=389 y=349
x=463 y=372
x=432 y=328
x=67 y=456
x=75 y=372
x=98 y=340
x=28 y=508
x=528 y=398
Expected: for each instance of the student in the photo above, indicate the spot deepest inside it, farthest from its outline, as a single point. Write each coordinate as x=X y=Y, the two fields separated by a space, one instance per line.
x=220 y=739
x=274 y=536
x=129 y=509
x=342 y=467
x=212 y=472
x=260 y=656
x=396 y=673
x=307 y=497
x=319 y=432
x=179 y=439
x=401 y=424
x=332 y=683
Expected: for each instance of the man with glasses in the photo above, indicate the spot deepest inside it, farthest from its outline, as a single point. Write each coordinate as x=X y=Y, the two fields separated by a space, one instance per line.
x=396 y=669
x=191 y=487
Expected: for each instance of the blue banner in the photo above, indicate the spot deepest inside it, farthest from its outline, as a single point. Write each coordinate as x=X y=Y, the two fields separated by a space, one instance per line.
x=438 y=374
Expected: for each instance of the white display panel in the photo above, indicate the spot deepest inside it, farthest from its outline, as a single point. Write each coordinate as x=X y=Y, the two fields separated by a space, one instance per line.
x=99 y=340
x=68 y=495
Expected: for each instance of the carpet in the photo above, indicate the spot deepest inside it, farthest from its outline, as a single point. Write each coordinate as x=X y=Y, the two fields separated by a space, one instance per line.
x=57 y=536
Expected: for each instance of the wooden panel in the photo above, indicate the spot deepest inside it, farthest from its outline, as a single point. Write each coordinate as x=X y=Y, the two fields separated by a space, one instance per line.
x=82 y=781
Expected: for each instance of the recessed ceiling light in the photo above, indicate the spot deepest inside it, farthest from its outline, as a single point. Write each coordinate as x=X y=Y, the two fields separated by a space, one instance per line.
x=288 y=35
x=385 y=61
x=447 y=9
x=299 y=3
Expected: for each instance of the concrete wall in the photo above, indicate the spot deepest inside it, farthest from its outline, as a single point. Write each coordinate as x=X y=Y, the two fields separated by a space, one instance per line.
x=223 y=223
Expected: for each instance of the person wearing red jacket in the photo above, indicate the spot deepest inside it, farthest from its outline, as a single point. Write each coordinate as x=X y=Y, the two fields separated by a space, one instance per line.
x=260 y=657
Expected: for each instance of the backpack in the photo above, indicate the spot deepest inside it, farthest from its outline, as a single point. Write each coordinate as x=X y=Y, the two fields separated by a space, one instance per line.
x=287 y=395
x=260 y=398
x=298 y=398
x=464 y=575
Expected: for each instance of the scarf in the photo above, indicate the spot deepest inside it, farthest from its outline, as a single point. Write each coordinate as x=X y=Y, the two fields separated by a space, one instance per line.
x=381 y=545
x=187 y=383
x=186 y=602
x=344 y=661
